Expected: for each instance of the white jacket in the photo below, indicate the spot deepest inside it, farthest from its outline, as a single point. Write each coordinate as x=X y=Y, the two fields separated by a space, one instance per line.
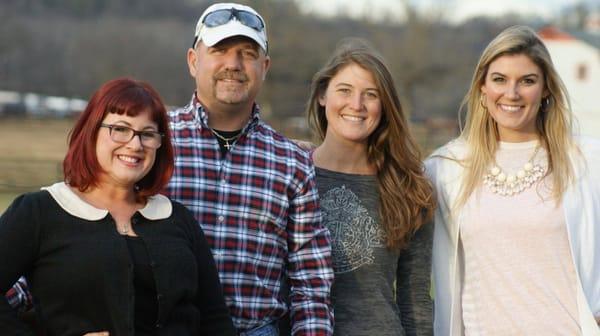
x=581 y=205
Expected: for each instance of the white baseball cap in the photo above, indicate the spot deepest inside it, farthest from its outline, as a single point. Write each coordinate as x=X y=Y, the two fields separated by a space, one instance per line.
x=224 y=20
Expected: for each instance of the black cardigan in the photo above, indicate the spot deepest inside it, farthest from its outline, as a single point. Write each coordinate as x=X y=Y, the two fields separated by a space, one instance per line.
x=80 y=273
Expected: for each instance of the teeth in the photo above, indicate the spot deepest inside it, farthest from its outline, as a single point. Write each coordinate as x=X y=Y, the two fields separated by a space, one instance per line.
x=510 y=108
x=231 y=80
x=129 y=159
x=352 y=118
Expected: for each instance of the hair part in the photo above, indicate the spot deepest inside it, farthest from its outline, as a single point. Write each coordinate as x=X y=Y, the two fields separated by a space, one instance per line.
x=405 y=194
x=122 y=96
x=554 y=121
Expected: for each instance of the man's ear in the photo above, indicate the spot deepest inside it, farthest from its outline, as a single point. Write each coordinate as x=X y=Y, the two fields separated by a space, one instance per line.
x=192 y=58
x=266 y=66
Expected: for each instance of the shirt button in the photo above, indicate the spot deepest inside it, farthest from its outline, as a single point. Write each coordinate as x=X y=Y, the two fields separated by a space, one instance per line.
x=158 y=325
x=221 y=219
x=223 y=182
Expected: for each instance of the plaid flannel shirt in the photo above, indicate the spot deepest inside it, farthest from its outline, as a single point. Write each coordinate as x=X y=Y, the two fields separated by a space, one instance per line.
x=258 y=207
x=19 y=296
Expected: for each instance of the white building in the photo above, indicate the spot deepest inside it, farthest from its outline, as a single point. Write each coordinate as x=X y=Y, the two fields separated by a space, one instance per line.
x=578 y=64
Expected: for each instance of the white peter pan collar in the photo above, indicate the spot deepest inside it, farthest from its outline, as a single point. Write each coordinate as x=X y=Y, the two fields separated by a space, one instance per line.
x=157 y=207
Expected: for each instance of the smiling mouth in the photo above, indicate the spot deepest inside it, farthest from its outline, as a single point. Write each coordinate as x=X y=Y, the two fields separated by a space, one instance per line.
x=510 y=108
x=129 y=159
x=352 y=118
x=230 y=80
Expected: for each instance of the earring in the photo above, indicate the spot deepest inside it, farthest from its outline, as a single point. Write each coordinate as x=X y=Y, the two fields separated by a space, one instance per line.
x=545 y=104
x=482 y=101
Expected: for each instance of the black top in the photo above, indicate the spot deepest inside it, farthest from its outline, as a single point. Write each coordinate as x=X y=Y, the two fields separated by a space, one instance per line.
x=82 y=278
x=144 y=288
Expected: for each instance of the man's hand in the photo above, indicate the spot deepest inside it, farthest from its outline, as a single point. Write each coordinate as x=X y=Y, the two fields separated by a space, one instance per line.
x=99 y=333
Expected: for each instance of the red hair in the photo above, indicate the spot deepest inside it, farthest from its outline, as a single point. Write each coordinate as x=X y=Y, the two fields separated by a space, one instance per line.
x=121 y=96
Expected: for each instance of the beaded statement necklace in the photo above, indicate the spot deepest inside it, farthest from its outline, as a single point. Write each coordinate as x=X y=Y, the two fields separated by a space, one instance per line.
x=512 y=184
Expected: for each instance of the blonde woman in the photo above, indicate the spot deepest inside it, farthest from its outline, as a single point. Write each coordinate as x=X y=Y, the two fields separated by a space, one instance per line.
x=516 y=243
x=374 y=197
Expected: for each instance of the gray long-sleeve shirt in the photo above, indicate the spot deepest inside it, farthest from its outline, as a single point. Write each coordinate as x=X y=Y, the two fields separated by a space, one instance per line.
x=376 y=291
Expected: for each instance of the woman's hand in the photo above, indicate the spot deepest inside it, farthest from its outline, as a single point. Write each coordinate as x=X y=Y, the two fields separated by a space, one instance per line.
x=99 y=333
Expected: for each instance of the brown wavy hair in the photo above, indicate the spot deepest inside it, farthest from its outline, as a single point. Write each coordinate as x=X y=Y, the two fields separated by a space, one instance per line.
x=406 y=198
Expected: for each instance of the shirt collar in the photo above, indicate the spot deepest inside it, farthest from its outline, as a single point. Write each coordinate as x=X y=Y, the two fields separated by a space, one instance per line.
x=202 y=116
x=157 y=207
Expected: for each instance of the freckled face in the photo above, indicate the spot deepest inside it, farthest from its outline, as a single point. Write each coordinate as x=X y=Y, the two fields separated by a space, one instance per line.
x=352 y=105
x=514 y=87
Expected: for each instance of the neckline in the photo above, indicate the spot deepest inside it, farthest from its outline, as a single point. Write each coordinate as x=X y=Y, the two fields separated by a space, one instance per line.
x=228 y=134
x=329 y=171
x=519 y=145
x=158 y=206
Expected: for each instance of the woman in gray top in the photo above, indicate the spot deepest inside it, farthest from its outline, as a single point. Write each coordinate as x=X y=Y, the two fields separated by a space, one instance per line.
x=374 y=197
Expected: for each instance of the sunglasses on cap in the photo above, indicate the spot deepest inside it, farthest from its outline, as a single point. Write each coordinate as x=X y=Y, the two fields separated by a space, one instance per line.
x=223 y=16
x=220 y=17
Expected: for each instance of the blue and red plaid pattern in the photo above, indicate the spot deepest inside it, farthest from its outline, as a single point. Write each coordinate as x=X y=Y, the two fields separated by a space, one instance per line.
x=258 y=207
x=19 y=296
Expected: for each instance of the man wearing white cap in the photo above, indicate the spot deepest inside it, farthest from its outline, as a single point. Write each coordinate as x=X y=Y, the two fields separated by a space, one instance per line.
x=251 y=189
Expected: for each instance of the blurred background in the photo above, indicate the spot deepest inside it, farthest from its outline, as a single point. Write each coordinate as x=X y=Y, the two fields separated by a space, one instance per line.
x=55 y=53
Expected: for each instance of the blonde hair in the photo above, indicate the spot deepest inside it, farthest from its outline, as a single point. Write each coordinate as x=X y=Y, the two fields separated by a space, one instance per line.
x=554 y=121
x=406 y=198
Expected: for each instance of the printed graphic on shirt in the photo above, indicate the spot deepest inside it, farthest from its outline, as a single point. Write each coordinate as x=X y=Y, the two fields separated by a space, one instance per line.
x=354 y=234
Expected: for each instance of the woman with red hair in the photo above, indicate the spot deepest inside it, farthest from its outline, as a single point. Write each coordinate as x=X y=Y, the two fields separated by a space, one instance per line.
x=103 y=252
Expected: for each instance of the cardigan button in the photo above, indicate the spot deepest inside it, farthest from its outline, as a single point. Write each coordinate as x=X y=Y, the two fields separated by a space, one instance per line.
x=158 y=325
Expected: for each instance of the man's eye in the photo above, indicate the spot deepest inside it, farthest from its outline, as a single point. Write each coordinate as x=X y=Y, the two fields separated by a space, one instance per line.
x=217 y=51
x=250 y=54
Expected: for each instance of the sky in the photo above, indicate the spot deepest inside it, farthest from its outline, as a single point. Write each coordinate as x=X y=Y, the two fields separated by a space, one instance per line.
x=453 y=10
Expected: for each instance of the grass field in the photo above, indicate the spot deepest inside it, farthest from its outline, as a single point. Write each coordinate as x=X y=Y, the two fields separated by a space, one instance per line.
x=31 y=153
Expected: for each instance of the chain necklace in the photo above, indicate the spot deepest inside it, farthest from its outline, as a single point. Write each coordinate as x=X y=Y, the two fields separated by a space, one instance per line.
x=508 y=185
x=227 y=140
x=124 y=230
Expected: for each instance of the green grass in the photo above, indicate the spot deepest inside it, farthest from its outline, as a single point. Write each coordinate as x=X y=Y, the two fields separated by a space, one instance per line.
x=30 y=155
x=5 y=200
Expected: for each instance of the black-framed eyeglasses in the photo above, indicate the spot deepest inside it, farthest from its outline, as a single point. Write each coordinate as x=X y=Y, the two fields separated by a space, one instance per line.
x=222 y=16
x=124 y=134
